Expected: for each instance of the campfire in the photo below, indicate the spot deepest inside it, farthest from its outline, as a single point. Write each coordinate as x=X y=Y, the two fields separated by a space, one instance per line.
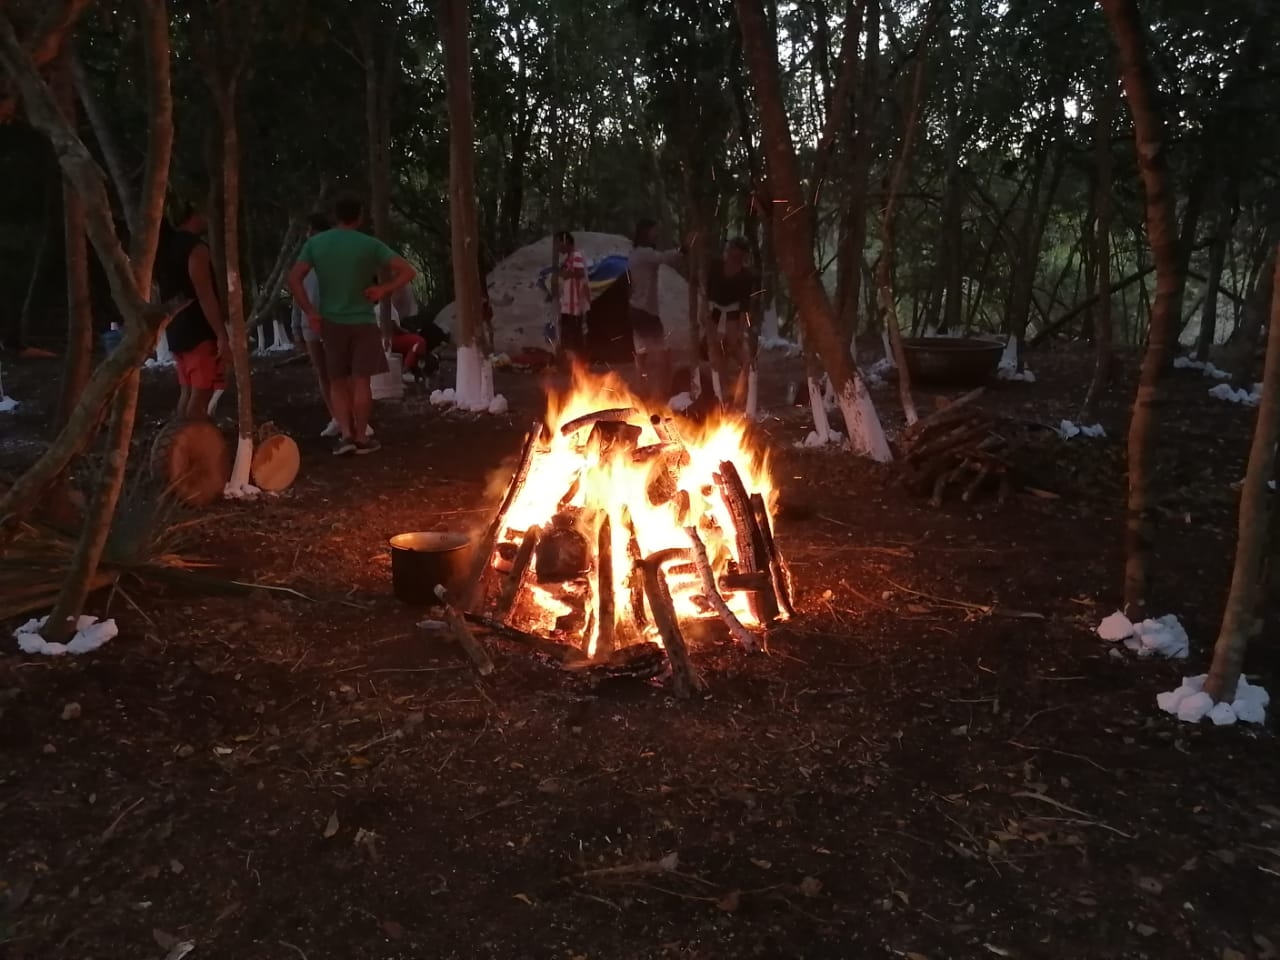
x=624 y=533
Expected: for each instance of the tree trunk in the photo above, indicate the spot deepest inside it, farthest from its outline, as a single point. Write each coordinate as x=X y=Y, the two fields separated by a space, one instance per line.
x=853 y=229
x=1245 y=347
x=1103 y=206
x=78 y=359
x=1240 y=622
x=884 y=269
x=107 y=143
x=238 y=484
x=106 y=495
x=1148 y=129
x=1217 y=260
x=472 y=384
x=794 y=237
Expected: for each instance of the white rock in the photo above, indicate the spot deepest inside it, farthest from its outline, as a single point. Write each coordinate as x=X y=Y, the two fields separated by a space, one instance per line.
x=498 y=405
x=1222 y=714
x=1115 y=627
x=1195 y=707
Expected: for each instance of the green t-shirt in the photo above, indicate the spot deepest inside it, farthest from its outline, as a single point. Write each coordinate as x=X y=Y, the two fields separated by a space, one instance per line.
x=346 y=263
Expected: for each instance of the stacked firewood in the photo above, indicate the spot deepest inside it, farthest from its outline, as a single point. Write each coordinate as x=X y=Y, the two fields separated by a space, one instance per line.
x=962 y=448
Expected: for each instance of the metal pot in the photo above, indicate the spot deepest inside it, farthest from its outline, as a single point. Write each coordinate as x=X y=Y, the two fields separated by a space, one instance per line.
x=952 y=361
x=420 y=561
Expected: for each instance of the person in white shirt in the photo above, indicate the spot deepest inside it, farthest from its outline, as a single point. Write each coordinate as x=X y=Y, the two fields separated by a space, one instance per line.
x=647 y=333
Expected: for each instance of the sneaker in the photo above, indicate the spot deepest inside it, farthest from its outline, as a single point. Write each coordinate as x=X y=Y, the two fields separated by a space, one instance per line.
x=332 y=430
x=408 y=378
x=368 y=430
x=344 y=447
x=367 y=446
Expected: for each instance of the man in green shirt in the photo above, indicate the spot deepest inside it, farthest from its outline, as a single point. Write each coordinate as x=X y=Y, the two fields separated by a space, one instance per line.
x=344 y=259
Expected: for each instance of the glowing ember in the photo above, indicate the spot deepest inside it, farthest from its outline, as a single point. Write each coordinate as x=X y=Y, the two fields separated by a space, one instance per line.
x=609 y=484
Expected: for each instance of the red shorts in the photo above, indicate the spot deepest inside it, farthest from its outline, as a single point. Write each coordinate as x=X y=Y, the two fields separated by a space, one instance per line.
x=200 y=369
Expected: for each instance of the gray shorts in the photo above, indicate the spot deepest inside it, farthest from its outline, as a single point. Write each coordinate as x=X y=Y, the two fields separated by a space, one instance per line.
x=302 y=331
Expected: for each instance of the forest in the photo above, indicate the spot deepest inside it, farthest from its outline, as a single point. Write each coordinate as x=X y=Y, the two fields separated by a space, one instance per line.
x=934 y=617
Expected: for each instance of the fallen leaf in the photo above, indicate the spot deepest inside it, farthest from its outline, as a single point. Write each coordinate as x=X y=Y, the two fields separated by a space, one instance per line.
x=1144 y=929
x=670 y=861
x=222 y=751
x=811 y=886
x=1269 y=810
x=762 y=864
x=176 y=867
x=1150 y=885
x=358 y=761
x=1226 y=856
x=998 y=951
x=730 y=902
x=180 y=950
x=902 y=895
x=393 y=929
x=71 y=711
x=331 y=827
x=150 y=872
x=524 y=898
x=960 y=731
x=912 y=955
x=550 y=785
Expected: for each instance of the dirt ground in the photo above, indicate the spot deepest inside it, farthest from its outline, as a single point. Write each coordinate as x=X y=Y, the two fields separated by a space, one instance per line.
x=916 y=769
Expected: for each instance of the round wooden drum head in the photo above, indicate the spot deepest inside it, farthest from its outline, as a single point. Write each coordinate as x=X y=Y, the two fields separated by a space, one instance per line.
x=275 y=463
x=193 y=458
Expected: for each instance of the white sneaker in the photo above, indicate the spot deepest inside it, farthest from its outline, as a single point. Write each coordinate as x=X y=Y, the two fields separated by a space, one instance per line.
x=332 y=430
x=408 y=378
x=368 y=430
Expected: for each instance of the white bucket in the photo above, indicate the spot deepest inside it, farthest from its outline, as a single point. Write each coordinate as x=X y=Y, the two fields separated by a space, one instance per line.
x=389 y=386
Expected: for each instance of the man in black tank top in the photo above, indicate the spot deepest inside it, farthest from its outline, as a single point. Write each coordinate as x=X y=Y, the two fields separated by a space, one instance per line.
x=733 y=294
x=197 y=334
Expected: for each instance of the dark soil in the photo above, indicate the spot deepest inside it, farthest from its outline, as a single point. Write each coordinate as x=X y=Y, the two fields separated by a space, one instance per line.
x=917 y=768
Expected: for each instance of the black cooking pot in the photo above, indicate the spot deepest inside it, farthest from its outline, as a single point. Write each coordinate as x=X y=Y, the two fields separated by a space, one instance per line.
x=420 y=561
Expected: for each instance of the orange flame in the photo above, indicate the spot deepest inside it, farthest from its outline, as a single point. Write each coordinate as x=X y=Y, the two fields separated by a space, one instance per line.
x=604 y=480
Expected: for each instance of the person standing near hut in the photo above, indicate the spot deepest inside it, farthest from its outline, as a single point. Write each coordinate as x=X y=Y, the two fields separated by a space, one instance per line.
x=732 y=297
x=575 y=300
x=197 y=334
x=343 y=259
x=653 y=359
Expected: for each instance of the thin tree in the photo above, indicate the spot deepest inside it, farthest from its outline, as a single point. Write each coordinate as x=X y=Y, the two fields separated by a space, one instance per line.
x=1240 y=622
x=106 y=495
x=1148 y=131
x=1102 y=322
x=225 y=60
x=794 y=225
x=894 y=182
x=475 y=377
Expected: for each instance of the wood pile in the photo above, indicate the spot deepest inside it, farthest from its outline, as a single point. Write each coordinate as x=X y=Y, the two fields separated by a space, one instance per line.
x=963 y=448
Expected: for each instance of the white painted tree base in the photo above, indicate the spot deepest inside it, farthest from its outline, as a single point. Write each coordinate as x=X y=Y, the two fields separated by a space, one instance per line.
x=474 y=387
x=280 y=340
x=821 y=435
x=239 y=487
x=866 y=434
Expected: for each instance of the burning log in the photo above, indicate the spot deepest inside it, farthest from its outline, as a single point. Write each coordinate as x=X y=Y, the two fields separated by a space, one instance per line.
x=606 y=434
x=739 y=632
x=744 y=582
x=462 y=633
x=562 y=554
x=778 y=571
x=480 y=562
x=620 y=414
x=752 y=554
x=563 y=654
x=605 y=607
x=519 y=568
x=638 y=660
x=684 y=679
x=636 y=579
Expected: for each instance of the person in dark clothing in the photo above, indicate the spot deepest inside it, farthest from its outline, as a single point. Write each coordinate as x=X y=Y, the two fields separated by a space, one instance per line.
x=733 y=294
x=197 y=334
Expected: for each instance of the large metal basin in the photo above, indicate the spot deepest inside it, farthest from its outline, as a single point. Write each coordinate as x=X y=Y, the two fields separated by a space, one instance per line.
x=952 y=361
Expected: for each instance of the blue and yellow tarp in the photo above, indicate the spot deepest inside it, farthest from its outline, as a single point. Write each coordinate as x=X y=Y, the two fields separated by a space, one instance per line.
x=600 y=275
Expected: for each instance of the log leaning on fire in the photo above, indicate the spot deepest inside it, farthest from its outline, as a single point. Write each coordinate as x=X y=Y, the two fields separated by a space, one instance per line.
x=484 y=549
x=712 y=593
x=685 y=681
x=635 y=580
x=590 y=419
x=519 y=569
x=778 y=571
x=606 y=606
x=462 y=633
x=564 y=654
x=753 y=556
